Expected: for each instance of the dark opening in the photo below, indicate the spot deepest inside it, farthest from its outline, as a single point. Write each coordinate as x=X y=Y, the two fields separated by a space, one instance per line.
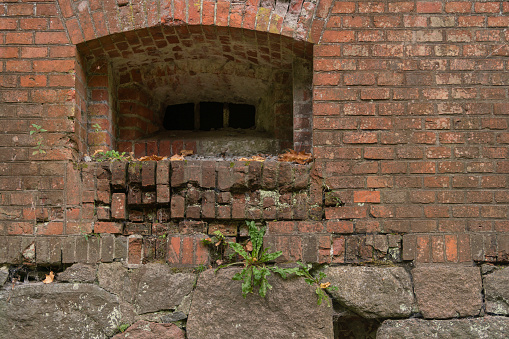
x=242 y=116
x=179 y=117
x=211 y=115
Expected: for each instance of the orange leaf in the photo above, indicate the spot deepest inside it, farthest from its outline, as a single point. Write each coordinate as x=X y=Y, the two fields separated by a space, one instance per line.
x=49 y=278
x=177 y=157
x=186 y=152
x=249 y=246
x=324 y=285
x=152 y=157
x=298 y=157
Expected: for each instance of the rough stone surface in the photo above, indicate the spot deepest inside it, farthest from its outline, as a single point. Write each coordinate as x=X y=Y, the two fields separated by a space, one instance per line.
x=78 y=273
x=60 y=311
x=4 y=274
x=476 y=328
x=148 y=330
x=447 y=291
x=151 y=288
x=289 y=310
x=496 y=291
x=373 y=292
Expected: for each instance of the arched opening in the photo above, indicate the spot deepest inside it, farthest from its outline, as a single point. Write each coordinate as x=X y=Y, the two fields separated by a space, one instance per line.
x=206 y=88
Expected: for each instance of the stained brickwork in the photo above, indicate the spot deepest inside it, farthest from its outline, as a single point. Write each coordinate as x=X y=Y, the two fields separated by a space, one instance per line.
x=408 y=128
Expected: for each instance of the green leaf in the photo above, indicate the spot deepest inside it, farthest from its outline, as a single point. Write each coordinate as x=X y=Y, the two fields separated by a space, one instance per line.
x=42 y=130
x=270 y=256
x=35 y=152
x=32 y=132
x=284 y=272
x=309 y=281
x=256 y=235
x=239 y=249
x=247 y=284
x=263 y=282
x=319 y=292
x=239 y=275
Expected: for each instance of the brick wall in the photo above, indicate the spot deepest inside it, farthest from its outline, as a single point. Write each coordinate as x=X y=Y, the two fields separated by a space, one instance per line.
x=409 y=132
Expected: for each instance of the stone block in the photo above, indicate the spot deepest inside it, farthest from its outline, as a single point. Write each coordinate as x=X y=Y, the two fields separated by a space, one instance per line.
x=144 y=329
x=81 y=273
x=474 y=328
x=289 y=310
x=444 y=291
x=78 y=310
x=496 y=292
x=373 y=292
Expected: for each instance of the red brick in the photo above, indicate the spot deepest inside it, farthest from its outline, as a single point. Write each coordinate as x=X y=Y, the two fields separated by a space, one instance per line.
x=9 y=52
x=371 y=7
x=345 y=212
x=379 y=153
x=188 y=250
x=458 y=7
x=451 y=248
x=135 y=250
x=429 y=7
x=423 y=252
x=437 y=245
x=367 y=226
x=343 y=7
x=487 y=7
x=53 y=38
x=19 y=38
x=366 y=197
x=338 y=36
x=471 y=21
x=339 y=226
x=8 y=24
x=464 y=252
x=281 y=227
x=20 y=228
x=118 y=206
x=50 y=228
x=174 y=244
x=108 y=227
x=310 y=227
x=20 y=9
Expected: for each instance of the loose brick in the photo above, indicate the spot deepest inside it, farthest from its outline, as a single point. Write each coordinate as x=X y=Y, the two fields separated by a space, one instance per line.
x=108 y=227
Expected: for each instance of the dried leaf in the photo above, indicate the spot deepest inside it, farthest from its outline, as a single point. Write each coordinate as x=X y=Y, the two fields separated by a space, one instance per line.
x=253 y=158
x=298 y=157
x=49 y=278
x=324 y=285
x=98 y=151
x=177 y=157
x=152 y=157
x=249 y=246
x=257 y=158
x=186 y=152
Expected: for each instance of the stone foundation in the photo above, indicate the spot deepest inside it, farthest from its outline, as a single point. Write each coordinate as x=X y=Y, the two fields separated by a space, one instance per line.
x=154 y=300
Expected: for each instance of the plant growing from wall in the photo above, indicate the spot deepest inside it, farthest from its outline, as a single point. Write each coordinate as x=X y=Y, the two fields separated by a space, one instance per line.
x=256 y=266
x=39 y=147
x=111 y=156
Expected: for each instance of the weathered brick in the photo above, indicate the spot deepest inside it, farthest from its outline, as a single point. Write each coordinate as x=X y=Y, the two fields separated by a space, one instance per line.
x=135 y=250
